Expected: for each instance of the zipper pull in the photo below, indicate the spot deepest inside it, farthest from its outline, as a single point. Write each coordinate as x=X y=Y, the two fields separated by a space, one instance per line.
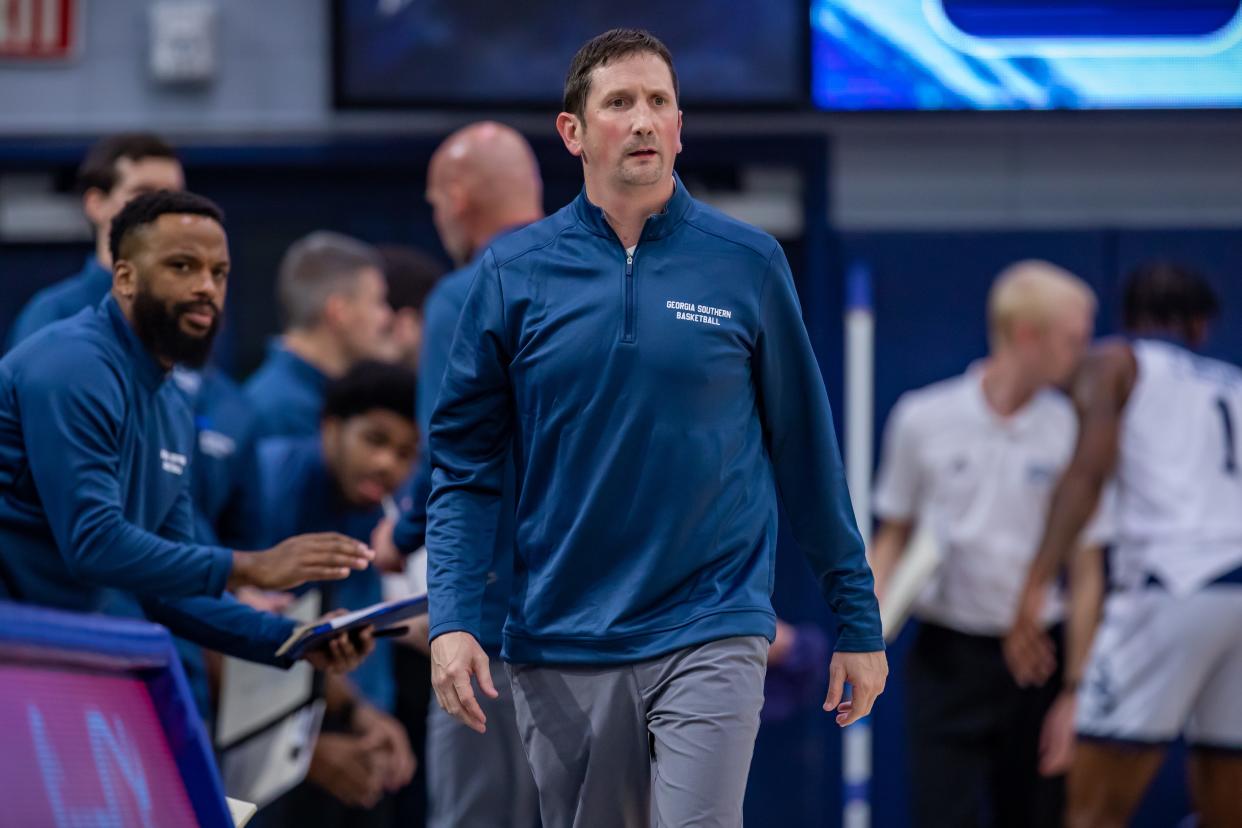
x=629 y=265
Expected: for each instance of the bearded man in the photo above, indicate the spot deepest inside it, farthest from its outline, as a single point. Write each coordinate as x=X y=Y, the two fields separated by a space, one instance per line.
x=95 y=446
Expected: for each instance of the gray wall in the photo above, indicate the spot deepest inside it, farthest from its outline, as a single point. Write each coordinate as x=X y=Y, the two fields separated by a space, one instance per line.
x=890 y=172
x=273 y=62
x=1064 y=170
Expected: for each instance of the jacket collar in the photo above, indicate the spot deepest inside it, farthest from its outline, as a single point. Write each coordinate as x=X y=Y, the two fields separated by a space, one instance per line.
x=657 y=225
x=148 y=371
x=291 y=363
x=97 y=277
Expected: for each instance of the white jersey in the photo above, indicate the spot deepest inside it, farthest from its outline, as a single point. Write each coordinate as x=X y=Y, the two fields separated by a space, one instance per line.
x=1179 y=476
x=982 y=482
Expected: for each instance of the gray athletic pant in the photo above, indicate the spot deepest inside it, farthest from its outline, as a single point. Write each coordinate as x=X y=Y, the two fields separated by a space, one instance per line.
x=479 y=780
x=664 y=742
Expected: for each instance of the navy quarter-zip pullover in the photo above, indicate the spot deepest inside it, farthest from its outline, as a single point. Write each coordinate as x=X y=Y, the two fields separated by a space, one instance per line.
x=95 y=487
x=55 y=302
x=225 y=483
x=225 y=479
x=657 y=403
x=287 y=394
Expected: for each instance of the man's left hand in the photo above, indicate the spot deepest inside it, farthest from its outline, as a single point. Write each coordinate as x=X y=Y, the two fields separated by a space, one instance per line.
x=866 y=673
x=343 y=652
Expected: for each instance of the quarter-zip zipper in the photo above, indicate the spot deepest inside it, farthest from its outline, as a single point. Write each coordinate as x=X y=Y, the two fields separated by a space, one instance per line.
x=627 y=333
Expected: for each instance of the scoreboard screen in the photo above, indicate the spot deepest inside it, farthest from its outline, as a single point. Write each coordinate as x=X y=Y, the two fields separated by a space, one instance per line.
x=1026 y=54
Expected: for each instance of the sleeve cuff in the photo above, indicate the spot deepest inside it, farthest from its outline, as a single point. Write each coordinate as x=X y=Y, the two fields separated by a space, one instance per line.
x=263 y=642
x=453 y=626
x=219 y=570
x=859 y=644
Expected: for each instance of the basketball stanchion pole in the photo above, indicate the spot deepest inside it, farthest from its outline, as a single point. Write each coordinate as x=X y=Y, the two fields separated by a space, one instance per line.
x=859 y=413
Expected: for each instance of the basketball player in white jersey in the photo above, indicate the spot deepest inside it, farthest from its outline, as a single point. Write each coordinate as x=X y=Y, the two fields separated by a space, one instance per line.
x=1163 y=422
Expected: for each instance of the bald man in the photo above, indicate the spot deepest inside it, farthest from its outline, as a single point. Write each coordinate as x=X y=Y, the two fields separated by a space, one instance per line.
x=483 y=182
x=976 y=457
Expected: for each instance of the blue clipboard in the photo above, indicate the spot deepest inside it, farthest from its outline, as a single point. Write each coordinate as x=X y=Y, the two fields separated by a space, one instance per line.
x=381 y=616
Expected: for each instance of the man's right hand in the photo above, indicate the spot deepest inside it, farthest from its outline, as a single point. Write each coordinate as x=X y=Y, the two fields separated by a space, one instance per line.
x=455 y=658
x=326 y=556
x=867 y=673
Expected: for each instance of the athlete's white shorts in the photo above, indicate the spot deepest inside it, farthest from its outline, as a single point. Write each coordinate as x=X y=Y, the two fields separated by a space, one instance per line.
x=1164 y=666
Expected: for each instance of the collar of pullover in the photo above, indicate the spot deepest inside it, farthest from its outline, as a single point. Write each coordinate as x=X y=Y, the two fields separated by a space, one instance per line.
x=97 y=277
x=657 y=226
x=293 y=364
x=149 y=372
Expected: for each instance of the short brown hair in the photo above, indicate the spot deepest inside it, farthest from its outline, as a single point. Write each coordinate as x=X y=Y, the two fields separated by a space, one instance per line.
x=98 y=170
x=316 y=267
x=603 y=49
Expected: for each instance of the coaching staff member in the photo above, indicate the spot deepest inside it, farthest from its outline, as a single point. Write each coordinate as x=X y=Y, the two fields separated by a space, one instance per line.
x=94 y=447
x=646 y=357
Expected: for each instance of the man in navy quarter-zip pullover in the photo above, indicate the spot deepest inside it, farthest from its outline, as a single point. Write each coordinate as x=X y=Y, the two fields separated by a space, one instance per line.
x=646 y=357
x=94 y=448
x=334 y=300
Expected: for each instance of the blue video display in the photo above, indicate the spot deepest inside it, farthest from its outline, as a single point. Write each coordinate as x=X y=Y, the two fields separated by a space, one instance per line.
x=395 y=53
x=1026 y=54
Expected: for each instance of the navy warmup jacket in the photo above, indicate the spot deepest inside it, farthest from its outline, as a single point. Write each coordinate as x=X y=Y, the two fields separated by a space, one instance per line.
x=657 y=404
x=225 y=484
x=84 y=289
x=287 y=394
x=95 y=487
x=225 y=478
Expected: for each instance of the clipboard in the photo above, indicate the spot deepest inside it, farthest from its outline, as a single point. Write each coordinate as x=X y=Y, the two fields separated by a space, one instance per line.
x=381 y=616
x=917 y=568
x=241 y=812
x=268 y=721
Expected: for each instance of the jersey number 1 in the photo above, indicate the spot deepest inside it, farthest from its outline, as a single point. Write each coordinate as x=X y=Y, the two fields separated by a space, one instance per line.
x=1226 y=421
